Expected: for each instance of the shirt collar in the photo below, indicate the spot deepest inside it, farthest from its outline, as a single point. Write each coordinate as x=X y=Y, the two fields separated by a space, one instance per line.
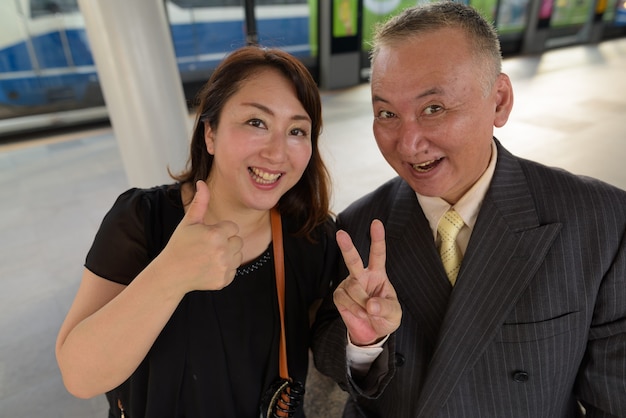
x=469 y=204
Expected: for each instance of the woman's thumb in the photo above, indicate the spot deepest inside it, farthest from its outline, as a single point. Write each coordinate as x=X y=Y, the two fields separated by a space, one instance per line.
x=199 y=204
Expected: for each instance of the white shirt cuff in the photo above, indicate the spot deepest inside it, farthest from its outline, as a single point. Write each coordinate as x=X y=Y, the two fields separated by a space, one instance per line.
x=360 y=359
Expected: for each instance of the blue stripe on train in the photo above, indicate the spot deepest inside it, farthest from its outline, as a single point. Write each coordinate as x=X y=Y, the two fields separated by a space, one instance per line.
x=49 y=52
x=221 y=37
x=202 y=39
x=15 y=58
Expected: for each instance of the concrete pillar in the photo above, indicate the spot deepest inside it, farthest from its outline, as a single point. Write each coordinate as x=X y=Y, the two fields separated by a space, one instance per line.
x=134 y=55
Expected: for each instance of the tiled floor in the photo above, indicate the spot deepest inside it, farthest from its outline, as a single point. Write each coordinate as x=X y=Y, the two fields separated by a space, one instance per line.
x=570 y=112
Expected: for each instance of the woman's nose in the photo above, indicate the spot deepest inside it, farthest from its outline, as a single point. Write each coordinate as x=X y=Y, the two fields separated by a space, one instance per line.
x=276 y=148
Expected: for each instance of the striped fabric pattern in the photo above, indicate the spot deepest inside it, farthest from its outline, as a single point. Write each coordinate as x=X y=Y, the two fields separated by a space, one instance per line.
x=536 y=324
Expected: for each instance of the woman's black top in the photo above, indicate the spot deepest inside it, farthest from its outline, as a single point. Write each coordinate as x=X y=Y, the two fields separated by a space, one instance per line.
x=219 y=351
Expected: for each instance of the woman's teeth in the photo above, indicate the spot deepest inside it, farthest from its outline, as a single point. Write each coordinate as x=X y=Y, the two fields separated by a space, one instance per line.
x=263 y=177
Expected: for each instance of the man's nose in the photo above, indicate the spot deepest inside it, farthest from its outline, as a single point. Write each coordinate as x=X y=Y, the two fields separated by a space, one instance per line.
x=411 y=139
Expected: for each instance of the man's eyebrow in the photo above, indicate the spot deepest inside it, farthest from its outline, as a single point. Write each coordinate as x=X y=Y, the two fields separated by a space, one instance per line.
x=377 y=98
x=429 y=92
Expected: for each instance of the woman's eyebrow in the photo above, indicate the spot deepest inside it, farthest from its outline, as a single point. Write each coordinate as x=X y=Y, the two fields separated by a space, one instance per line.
x=269 y=111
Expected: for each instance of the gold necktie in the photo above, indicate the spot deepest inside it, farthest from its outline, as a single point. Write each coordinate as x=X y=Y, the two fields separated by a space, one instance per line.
x=451 y=256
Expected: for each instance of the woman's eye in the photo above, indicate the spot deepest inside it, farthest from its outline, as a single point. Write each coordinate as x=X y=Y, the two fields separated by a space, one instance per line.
x=257 y=123
x=385 y=114
x=298 y=132
x=432 y=109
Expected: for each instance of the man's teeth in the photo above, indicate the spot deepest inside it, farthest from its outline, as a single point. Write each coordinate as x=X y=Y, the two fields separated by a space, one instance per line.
x=264 y=177
x=425 y=166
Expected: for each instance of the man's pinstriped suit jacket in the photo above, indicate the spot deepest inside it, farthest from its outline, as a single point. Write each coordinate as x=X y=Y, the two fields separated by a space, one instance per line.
x=536 y=321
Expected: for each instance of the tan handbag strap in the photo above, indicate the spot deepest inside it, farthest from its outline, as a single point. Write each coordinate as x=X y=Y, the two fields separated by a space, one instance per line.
x=279 y=267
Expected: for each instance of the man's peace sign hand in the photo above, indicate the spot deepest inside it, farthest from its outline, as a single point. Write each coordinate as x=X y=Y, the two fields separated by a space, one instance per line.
x=366 y=300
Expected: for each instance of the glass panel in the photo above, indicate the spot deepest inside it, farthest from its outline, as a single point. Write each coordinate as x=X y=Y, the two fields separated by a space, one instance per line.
x=48 y=7
x=570 y=12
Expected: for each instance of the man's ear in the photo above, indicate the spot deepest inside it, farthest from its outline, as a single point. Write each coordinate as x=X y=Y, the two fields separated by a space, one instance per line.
x=504 y=100
x=209 y=138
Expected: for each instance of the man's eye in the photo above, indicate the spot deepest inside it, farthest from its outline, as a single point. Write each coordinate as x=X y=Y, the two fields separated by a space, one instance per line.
x=432 y=109
x=385 y=114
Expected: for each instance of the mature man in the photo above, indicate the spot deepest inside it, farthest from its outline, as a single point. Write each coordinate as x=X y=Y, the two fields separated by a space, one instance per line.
x=523 y=314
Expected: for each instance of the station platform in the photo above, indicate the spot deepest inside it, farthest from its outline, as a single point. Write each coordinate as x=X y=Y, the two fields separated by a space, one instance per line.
x=570 y=112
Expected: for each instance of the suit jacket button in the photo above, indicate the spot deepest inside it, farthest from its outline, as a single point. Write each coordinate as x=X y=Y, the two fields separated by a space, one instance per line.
x=399 y=360
x=520 y=376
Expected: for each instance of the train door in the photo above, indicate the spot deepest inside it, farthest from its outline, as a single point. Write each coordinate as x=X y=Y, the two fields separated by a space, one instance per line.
x=17 y=61
x=64 y=65
x=204 y=31
x=55 y=69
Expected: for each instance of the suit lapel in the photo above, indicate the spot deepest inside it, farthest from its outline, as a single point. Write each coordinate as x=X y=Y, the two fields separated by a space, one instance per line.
x=506 y=248
x=413 y=265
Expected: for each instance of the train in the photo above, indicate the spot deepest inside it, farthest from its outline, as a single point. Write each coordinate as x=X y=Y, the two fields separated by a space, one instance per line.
x=48 y=77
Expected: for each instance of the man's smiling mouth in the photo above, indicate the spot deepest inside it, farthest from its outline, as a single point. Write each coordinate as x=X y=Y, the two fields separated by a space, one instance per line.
x=426 y=165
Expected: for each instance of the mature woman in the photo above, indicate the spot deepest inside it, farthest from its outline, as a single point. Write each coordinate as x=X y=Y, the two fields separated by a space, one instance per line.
x=177 y=313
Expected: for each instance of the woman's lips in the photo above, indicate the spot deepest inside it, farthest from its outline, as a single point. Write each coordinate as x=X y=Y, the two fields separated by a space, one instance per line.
x=263 y=177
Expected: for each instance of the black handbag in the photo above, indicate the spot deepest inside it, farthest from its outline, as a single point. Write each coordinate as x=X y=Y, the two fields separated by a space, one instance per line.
x=285 y=395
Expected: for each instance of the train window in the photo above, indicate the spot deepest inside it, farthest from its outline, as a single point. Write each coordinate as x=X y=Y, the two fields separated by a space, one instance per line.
x=50 y=7
x=188 y=4
x=226 y=3
x=268 y=2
